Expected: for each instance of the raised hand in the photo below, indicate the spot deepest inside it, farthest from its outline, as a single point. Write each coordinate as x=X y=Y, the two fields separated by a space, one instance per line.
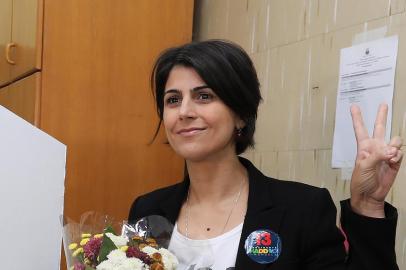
x=376 y=165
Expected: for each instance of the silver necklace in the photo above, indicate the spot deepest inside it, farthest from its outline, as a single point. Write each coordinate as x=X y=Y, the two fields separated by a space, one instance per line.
x=208 y=228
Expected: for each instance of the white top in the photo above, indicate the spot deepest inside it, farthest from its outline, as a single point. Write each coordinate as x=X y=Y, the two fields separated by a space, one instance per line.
x=217 y=253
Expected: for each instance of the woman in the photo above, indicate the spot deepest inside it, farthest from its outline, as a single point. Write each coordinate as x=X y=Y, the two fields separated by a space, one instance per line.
x=228 y=215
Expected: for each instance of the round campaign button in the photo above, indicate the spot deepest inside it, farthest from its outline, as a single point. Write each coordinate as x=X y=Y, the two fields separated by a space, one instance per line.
x=263 y=246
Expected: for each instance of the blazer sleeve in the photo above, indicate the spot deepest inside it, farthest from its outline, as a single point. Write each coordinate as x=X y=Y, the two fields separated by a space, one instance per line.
x=323 y=242
x=371 y=240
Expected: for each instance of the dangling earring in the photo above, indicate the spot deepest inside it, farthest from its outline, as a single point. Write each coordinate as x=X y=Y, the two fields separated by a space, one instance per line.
x=239 y=132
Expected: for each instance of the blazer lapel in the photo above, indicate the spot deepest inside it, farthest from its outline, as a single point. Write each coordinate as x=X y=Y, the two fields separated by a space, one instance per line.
x=261 y=214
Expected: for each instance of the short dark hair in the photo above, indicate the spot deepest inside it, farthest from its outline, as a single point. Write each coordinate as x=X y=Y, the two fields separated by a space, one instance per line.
x=226 y=68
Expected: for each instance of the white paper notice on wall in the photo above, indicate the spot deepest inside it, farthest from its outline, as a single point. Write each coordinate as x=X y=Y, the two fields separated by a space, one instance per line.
x=367 y=73
x=32 y=174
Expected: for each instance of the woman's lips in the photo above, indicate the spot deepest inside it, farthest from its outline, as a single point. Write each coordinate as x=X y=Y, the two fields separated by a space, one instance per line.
x=187 y=132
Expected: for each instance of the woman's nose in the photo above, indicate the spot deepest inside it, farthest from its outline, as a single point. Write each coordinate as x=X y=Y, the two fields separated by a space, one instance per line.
x=187 y=109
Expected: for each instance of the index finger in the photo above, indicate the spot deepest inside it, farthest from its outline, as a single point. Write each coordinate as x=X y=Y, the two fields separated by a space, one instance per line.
x=380 y=122
x=361 y=133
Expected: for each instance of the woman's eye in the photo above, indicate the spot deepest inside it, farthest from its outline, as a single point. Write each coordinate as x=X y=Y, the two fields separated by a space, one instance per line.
x=205 y=96
x=172 y=100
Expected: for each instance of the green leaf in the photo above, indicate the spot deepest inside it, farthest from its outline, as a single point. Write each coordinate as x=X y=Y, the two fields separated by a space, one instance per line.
x=81 y=258
x=109 y=229
x=89 y=268
x=106 y=247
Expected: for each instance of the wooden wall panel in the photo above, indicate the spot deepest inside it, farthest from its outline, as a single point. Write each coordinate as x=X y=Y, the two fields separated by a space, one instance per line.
x=6 y=10
x=21 y=98
x=97 y=58
x=27 y=34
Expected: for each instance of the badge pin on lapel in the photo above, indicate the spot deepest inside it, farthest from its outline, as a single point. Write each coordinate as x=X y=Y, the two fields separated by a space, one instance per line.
x=263 y=246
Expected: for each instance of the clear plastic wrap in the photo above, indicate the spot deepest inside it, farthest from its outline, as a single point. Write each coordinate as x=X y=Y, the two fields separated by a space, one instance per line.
x=94 y=244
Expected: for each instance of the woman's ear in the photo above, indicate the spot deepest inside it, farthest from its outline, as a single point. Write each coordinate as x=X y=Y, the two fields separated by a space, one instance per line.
x=240 y=124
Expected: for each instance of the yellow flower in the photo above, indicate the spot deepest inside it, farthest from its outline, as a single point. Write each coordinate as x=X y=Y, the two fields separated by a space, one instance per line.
x=84 y=241
x=72 y=268
x=77 y=252
x=86 y=235
x=73 y=246
x=124 y=248
x=87 y=261
x=100 y=235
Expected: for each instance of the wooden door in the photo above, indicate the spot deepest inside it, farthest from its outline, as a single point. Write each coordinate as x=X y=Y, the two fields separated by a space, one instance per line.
x=27 y=36
x=97 y=59
x=6 y=11
x=22 y=98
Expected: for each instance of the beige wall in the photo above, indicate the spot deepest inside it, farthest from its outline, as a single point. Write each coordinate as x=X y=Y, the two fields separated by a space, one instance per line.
x=295 y=45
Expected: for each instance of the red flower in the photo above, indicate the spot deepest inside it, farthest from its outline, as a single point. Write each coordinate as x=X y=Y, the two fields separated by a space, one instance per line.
x=92 y=248
x=79 y=266
x=136 y=253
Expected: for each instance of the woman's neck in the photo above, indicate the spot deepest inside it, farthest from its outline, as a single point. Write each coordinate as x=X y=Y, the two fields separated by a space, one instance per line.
x=212 y=181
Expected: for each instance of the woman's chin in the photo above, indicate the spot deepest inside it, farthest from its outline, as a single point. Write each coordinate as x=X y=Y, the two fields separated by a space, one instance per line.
x=203 y=153
x=194 y=153
x=194 y=157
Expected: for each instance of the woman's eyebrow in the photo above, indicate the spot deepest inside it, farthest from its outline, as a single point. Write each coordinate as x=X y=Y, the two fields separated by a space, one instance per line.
x=171 y=91
x=194 y=89
x=199 y=88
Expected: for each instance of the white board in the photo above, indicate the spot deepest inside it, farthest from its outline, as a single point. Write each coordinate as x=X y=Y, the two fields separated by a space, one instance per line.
x=32 y=174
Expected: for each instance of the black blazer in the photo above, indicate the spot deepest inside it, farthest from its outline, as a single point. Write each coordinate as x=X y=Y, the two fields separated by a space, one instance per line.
x=305 y=219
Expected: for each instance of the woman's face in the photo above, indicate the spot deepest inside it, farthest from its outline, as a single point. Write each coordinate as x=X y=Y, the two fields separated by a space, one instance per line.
x=198 y=124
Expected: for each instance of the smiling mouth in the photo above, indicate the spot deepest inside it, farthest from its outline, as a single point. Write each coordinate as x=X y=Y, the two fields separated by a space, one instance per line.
x=190 y=131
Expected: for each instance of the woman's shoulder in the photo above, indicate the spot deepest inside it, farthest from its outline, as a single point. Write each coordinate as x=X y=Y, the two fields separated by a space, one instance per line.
x=160 y=194
x=294 y=186
x=295 y=192
x=151 y=202
x=281 y=192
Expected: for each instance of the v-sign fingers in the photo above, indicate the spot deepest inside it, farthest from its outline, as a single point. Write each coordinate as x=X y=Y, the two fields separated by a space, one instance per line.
x=361 y=133
x=380 y=122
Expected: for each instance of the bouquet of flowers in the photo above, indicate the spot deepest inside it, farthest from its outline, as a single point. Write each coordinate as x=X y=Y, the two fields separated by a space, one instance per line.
x=141 y=246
